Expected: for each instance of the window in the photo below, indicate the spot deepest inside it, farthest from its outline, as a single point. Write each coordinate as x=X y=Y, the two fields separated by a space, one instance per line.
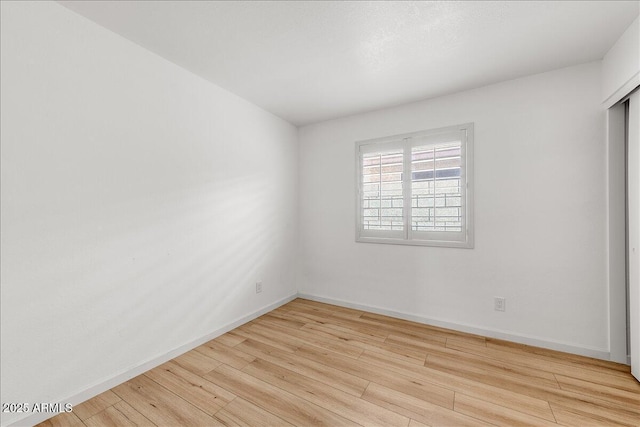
x=416 y=189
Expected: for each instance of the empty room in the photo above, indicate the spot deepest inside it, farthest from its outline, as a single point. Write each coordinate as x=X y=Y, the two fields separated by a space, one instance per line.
x=291 y=213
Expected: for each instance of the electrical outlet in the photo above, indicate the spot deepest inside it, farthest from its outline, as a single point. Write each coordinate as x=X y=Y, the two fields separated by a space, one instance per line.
x=499 y=304
x=258 y=287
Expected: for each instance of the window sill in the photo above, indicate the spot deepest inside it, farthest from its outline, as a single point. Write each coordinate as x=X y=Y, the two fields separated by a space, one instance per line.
x=435 y=243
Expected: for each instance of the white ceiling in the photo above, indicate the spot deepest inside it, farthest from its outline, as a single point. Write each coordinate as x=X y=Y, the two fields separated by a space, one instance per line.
x=312 y=61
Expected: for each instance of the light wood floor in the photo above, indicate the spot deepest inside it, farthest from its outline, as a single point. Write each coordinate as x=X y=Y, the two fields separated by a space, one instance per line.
x=308 y=363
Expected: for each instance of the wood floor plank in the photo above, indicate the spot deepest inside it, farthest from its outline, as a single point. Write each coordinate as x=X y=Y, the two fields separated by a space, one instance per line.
x=283 y=404
x=414 y=328
x=604 y=416
x=289 y=323
x=272 y=336
x=120 y=414
x=227 y=355
x=502 y=367
x=298 y=317
x=201 y=393
x=197 y=362
x=425 y=334
x=462 y=341
x=626 y=382
x=95 y=405
x=584 y=406
x=545 y=363
x=350 y=323
x=586 y=362
x=342 y=333
x=354 y=314
x=567 y=417
x=418 y=409
x=491 y=393
x=583 y=403
x=160 y=405
x=320 y=340
x=375 y=355
x=416 y=343
x=356 y=324
x=496 y=414
x=603 y=392
x=242 y=413
x=132 y=415
x=300 y=306
x=413 y=337
x=229 y=339
x=537 y=389
x=307 y=316
x=65 y=419
x=335 y=336
x=109 y=417
x=341 y=380
x=397 y=352
x=337 y=401
x=484 y=373
x=410 y=385
x=357 y=336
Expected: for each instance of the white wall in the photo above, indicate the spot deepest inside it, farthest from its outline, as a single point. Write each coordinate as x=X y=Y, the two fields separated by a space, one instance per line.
x=140 y=204
x=539 y=215
x=621 y=65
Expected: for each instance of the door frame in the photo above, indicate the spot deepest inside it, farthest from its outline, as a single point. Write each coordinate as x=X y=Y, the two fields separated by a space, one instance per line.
x=617 y=233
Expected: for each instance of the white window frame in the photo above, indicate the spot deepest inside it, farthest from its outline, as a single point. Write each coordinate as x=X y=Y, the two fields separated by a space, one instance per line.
x=407 y=236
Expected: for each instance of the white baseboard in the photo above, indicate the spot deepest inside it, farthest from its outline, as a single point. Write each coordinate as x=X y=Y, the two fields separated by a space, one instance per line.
x=486 y=332
x=109 y=383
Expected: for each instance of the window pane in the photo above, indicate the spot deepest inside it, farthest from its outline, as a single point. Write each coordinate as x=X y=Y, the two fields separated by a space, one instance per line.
x=382 y=191
x=436 y=197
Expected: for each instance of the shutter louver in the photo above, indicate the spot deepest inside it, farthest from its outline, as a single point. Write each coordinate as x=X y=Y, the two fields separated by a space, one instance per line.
x=382 y=196
x=436 y=194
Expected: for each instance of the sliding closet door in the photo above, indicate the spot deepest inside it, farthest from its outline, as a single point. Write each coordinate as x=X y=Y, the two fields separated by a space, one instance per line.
x=633 y=249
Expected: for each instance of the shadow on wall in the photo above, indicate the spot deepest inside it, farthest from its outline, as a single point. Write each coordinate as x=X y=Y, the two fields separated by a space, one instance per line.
x=140 y=277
